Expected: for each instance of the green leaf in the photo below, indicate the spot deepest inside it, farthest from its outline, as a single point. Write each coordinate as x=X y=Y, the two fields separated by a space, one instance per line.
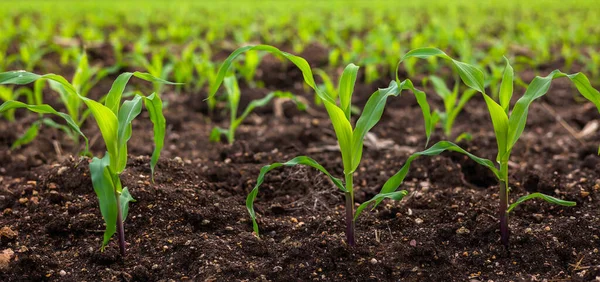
x=371 y=114
x=422 y=101
x=109 y=125
x=470 y=75
x=154 y=105
x=396 y=180
x=301 y=63
x=215 y=134
x=500 y=122
x=538 y=88
x=124 y=199
x=346 y=88
x=82 y=72
x=544 y=197
x=27 y=137
x=128 y=112
x=113 y=98
x=396 y=196
x=105 y=191
x=263 y=102
x=451 y=117
x=441 y=89
x=506 y=87
x=301 y=160
x=18 y=77
x=44 y=109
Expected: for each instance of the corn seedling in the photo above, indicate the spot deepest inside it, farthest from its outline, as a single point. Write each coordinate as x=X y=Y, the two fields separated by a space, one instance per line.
x=350 y=140
x=114 y=120
x=453 y=103
x=508 y=125
x=233 y=99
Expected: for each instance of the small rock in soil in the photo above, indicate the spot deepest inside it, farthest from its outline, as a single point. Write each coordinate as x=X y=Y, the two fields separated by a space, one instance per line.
x=7 y=233
x=418 y=221
x=62 y=273
x=462 y=230
x=5 y=258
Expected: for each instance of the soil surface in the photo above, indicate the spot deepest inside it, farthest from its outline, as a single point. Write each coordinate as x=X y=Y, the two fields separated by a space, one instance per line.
x=192 y=223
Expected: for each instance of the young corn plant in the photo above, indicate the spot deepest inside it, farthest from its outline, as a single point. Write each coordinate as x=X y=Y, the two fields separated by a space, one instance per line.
x=114 y=121
x=233 y=99
x=84 y=79
x=350 y=139
x=453 y=104
x=508 y=126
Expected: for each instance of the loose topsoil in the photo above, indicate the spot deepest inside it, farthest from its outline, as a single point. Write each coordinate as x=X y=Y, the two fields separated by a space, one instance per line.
x=192 y=223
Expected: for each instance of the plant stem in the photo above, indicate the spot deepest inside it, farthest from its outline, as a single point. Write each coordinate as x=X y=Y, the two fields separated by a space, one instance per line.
x=120 y=227
x=350 y=210
x=502 y=209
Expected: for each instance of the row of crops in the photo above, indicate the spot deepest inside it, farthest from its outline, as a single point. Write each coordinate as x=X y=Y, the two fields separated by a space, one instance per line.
x=88 y=76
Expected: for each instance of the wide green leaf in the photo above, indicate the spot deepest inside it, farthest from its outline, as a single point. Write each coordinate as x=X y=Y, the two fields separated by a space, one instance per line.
x=18 y=77
x=501 y=126
x=124 y=199
x=346 y=88
x=301 y=160
x=127 y=113
x=154 y=105
x=371 y=114
x=113 y=98
x=538 y=88
x=104 y=188
x=544 y=197
x=506 y=86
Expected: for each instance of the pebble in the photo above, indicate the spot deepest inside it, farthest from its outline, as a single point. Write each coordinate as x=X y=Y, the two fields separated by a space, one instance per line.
x=62 y=273
x=178 y=160
x=462 y=230
x=61 y=170
x=413 y=242
x=5 y=257
x=23 y=201
x=8 y=233
x=418 y=221
x=229 y=228
x=155 y=266
x=547 y=228
x=205 y=222
x=374 y=261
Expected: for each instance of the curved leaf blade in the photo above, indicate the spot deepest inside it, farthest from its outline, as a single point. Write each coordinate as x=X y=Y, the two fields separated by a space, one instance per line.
x=346 y=88
x=301 y=160
x=544 y=197
x=396 y=196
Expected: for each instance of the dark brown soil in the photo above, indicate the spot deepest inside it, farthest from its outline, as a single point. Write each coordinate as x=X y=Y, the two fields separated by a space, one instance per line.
x=192 y=223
